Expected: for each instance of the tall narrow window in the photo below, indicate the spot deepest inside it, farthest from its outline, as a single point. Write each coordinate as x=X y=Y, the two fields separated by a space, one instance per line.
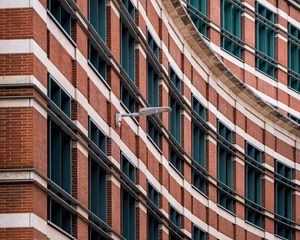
x=198 y=147
x=97 y=175
x=130 y=8
x=97 y=62
x=152 y=226
x=253 y=185
x=197 y=233
x=152 y=86
x=175 y=218
x=225 y=198
x=62 y=17
x=264 y=40
x=153 y=132
x=174 y=78
x=127 y=51
x=231 y=24
x=97 y=16
x=294 y=57
x=127 y=202
x=59 y=96
x=175 y=159
x=152 y=44
x=128 y=168
x=97 y=136
x=127 y=99
x=197 y=11
x=59 y=157
x=175 y=119
x=283 y=200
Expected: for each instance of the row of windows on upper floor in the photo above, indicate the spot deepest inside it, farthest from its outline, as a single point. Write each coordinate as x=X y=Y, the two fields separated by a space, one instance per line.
x=128 y=51
x=59 y=152
x=265 y=31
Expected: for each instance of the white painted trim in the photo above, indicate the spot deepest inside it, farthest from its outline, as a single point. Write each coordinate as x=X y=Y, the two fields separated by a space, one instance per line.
x=30 y=220
x=5 y=103
x=247 y=15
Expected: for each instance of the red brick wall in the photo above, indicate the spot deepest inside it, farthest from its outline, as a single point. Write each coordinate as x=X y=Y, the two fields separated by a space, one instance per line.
x=23 y=131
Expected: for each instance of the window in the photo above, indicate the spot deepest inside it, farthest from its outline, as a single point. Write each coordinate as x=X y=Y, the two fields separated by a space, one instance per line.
x=128 y=202
x=174 y=79
x=294 y=57
x=60 y=216
x=97 y=136
x=152 y=227
x=130 y=8
x=128 y=215
x=198 y=139
x=175 y=119
x=97 y=175
x=128 y=168
x=59 y=157
x=97 y=62
x=225 y=168
x=62 y=17
x=294 y=118
x=59 y=96
x=253 y=185
x=198 y=147
x=197 y=11
x=153 y=195
x=264 y=40
x=97 y=189
x=127 y=52
x=152 y=86
x=176 y=160
x=283 y=200
x=197 y=233
x=94 y=235
x=175 y=218
x=198 y=108
x=153 y=132
x=152 y=44
x=231 y=23
x=97 y=16
x=59 y=143
x=127 y=99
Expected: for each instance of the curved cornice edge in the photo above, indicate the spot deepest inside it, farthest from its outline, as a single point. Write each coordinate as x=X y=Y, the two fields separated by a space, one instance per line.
x=191 y=35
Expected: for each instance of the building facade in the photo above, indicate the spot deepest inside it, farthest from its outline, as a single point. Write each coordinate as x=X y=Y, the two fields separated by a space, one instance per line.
x=223 y=164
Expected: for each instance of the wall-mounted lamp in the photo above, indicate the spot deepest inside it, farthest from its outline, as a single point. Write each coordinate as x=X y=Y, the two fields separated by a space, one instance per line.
x=143 y=112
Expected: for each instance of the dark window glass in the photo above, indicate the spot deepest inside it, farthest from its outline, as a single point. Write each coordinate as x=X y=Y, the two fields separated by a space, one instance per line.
x=294 y=57
x=197 y=12
x=127 y=52
x=231 y=23
x=283 y=200
x=62 y=17
x=264 y=40
x=253 y=185
x=225 y=198
x=97 y=16
x=97 y=62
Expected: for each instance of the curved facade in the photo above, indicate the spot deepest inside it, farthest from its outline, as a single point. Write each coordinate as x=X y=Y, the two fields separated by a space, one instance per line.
x=224 y=164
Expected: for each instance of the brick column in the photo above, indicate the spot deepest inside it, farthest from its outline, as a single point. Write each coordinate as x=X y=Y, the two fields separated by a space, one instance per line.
x=268 y=182
x=239 y=164
x=114 y=203
x=80 y=187
x=163 y=233
x=214 y=12
x=113 y=30
x=141 y=221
